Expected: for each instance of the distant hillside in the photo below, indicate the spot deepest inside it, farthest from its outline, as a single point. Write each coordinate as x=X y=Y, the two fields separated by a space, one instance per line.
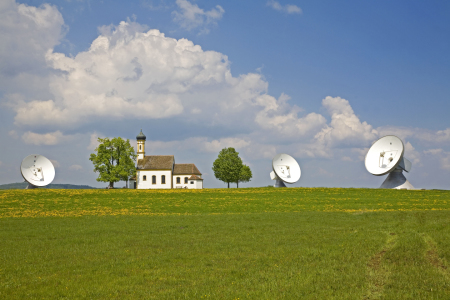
x=22 y=185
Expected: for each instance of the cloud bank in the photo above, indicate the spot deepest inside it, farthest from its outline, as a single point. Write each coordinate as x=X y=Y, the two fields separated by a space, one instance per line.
x=132 y=73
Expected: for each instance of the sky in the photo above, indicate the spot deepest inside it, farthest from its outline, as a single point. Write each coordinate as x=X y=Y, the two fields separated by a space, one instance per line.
x=318 y=80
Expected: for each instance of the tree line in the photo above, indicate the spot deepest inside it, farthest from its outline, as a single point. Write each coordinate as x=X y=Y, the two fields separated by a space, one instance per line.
x=115 y=160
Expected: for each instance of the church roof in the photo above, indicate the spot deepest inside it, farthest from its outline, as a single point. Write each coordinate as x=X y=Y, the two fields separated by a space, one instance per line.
x=183 y=169
x=195 y=177
x=156 y=162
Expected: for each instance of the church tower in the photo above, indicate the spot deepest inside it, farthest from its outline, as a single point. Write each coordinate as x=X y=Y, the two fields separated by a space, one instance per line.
x=140 y=145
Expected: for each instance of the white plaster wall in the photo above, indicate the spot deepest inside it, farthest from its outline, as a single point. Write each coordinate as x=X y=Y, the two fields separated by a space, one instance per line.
x=182 y=184
x=198 y=184
x=141 y=184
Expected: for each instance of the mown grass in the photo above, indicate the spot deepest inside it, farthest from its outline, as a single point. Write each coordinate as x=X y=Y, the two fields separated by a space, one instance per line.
x=225 y=244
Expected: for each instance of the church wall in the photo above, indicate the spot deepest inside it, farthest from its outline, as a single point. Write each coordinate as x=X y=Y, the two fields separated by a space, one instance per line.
x=198 y=184
x=147 y=184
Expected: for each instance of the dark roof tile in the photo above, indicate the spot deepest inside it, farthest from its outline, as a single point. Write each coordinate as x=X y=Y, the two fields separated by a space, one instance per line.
x=156 y=162
x=185 y=169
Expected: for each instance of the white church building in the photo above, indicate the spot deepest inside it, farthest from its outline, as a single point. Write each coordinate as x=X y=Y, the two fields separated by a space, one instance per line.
x=161 y=171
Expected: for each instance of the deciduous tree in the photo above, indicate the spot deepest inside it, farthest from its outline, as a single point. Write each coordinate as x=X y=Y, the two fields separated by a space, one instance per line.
x=227 y=167
x=114 y=160
x=245 y=175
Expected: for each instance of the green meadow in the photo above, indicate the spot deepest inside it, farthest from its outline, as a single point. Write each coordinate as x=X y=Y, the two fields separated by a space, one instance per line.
x=252 y=243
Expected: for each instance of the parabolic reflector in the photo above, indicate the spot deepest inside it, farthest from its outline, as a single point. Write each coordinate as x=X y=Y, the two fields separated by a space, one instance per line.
x=384 y=155
x=37 y=170
x=286 y=168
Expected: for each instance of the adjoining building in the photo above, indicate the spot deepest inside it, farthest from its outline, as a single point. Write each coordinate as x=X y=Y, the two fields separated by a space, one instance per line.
x=161 y=171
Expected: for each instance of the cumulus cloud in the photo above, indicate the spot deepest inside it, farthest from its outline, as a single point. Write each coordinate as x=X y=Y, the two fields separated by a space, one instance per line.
x=288 y=8
x=442 y=156
x=130 y=73
x=345 y=128
x=75 y=168
x=411 y=153
x=51 y=138
x=55 y=163
x=27 y=33
x=190 y=16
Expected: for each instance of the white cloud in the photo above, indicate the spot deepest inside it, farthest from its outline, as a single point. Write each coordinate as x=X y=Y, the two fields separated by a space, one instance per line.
x=190 y=16
x=27 y=33
x=345 y=128
x=51 y=138
x=93 y=144
x=55 y=163
x=411 y=153
x=423 y=135
x=442 y=156
x=288 y=8
x=75 y=168
x=283 y=118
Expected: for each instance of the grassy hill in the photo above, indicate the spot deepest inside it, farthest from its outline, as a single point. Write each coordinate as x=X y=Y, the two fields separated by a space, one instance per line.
x=255 y=243
x=23 y=185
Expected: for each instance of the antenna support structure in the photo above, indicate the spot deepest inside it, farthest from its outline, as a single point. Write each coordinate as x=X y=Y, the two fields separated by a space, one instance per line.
x=386 y=157
x=285 y=169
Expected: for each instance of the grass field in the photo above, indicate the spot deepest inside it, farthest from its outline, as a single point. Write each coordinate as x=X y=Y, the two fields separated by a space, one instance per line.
x=256 y=243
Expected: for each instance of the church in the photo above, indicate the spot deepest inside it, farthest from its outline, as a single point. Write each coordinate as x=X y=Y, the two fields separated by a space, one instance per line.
x=161 y=171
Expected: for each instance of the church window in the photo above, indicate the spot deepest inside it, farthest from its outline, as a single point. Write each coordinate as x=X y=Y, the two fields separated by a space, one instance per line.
x=140 y=147
x=178 y=180
x=185 y=180
x=192 y=182
x=153 y=179
x=163 y=179
x=144 y=177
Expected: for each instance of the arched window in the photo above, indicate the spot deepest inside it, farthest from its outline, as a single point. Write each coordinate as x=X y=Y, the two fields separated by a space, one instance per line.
x=163 y=179
x=178 y=180
x=153 y=179
x=185 y=180
x=144 y=177
x=140 y=147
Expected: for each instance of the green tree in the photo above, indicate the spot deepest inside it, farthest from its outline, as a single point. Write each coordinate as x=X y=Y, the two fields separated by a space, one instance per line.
x=227 y=167
x=245 y=175
x=114 y=160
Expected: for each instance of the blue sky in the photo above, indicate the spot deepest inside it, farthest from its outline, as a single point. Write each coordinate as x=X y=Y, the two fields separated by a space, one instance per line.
x=320 y=80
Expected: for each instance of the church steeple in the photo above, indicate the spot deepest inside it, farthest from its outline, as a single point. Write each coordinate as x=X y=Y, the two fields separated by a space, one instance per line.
x=141 y=145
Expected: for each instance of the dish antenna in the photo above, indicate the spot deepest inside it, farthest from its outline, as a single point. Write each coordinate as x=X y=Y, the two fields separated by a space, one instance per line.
x=37 y=170
x=386 y=156
x=285 y=170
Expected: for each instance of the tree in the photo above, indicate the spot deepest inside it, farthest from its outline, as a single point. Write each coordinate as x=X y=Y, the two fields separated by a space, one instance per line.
x=245 y=175
x=115 y=160
x=227 y=167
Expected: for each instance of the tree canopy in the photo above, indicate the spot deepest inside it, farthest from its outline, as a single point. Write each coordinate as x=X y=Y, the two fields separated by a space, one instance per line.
x=228 y=165
x=245 y=175
x=114 y=160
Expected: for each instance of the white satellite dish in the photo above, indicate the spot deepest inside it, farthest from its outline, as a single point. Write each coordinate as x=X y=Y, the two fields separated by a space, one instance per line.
x=37 y=170
x=285 y=170
x=386 y=156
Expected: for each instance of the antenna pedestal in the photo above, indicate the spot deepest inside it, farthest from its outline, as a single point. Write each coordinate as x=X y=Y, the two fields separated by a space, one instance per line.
x=279 y=183
x=396 y=180
x=30 y=186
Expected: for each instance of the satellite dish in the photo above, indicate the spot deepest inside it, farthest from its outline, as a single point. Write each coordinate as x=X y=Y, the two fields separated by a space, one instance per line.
x=285 y=170
x=37 y=170
x=386 y=156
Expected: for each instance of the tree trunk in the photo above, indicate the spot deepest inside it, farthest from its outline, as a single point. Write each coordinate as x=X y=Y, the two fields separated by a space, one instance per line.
x=228 y=184
x=237 y=184
x=111 y=184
